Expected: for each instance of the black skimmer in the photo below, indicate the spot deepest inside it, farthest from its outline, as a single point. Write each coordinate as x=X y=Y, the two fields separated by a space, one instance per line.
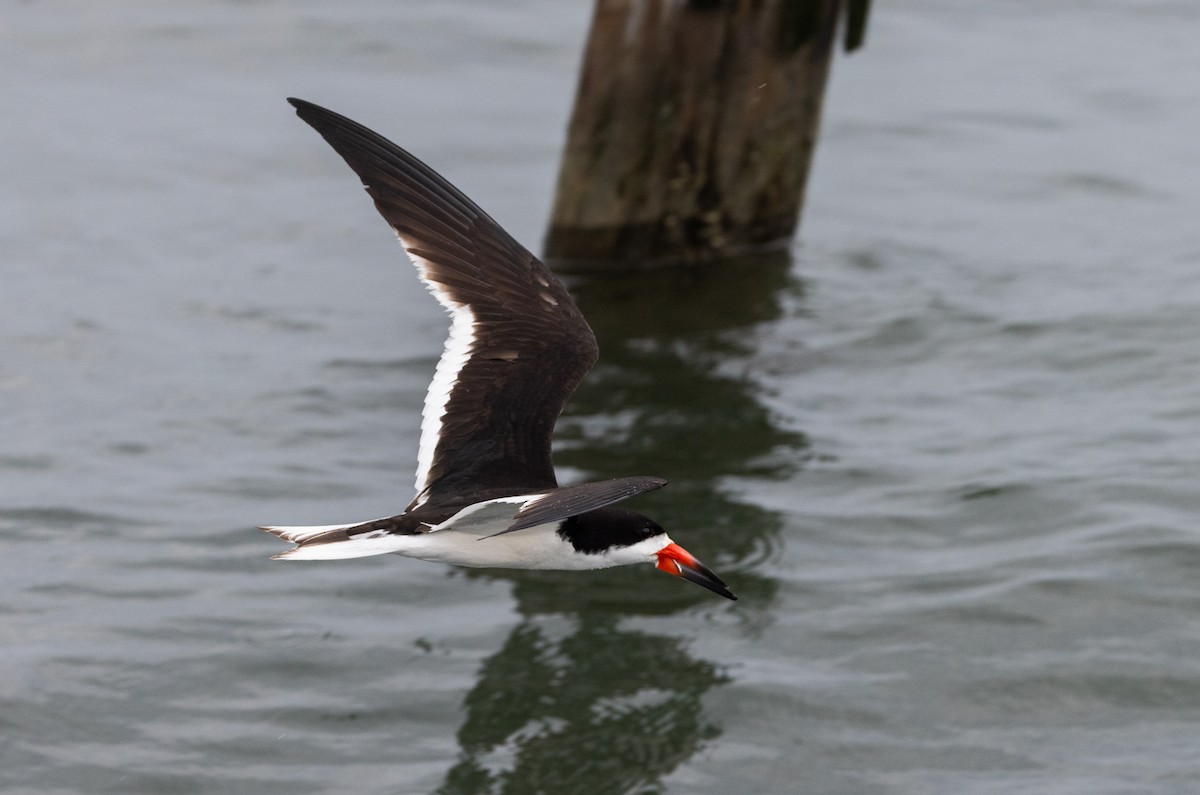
x=486 y=494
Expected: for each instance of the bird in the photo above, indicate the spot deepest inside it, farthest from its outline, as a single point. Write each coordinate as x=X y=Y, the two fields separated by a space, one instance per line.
x=486 y=490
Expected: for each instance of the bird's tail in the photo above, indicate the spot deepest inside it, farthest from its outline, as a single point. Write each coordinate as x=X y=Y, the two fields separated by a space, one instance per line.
x=334 y=542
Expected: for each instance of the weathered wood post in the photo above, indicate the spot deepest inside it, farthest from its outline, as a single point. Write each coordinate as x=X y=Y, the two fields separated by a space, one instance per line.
x=693 y=128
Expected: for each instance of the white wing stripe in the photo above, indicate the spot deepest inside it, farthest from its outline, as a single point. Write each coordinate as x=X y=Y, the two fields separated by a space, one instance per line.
x=459 y=345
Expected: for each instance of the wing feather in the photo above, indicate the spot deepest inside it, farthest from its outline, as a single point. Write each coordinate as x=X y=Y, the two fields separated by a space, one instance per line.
x=518 y=345
x=568 y=501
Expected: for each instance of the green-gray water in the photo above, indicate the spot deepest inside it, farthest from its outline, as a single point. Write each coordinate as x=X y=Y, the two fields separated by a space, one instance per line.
x=945 y=450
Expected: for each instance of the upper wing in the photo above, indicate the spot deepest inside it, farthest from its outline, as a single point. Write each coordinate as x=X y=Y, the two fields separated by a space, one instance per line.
x=580 y=498
x=518 y=345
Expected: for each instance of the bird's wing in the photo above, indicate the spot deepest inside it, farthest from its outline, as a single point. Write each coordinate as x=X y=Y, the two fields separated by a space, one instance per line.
x=518 y=345
x=568 y=501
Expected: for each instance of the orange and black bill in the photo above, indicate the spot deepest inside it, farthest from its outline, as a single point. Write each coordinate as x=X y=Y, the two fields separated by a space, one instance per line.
x=674 y=559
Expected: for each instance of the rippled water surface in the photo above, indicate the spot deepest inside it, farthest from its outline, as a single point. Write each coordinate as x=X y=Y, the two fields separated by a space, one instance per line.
x=946 y=449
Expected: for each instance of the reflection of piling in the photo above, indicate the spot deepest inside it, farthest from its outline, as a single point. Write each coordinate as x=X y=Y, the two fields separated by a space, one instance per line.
x=693 y=127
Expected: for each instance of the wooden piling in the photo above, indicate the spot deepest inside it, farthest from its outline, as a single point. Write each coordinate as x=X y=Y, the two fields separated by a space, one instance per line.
x=693 y=129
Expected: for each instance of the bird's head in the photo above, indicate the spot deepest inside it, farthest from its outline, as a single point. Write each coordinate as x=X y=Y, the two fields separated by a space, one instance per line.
x=618 y=537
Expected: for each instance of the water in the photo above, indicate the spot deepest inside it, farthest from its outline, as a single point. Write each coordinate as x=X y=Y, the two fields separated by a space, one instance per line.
x=945 y=450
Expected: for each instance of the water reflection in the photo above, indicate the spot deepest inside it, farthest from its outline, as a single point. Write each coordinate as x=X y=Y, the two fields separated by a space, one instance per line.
x=574 y=702
x=597 y=709
x=672 y=394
